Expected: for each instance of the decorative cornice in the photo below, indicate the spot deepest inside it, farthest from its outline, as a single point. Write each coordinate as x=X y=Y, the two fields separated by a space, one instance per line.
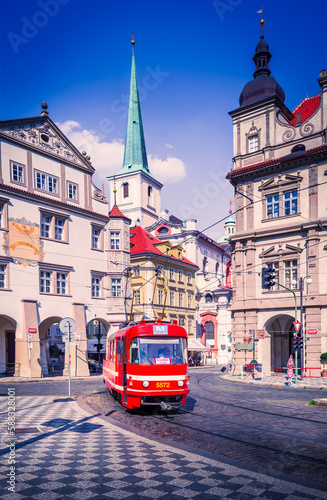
x=51 y=202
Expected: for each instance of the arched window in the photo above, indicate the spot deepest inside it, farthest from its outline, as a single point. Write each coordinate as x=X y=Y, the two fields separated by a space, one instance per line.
x=163 y=230
x=217 y=269
x=150 y=191
x=208 y=298
x=299 y=147
x=209 y=330
x=205 y=264
x=125 y=190
x=228 y=274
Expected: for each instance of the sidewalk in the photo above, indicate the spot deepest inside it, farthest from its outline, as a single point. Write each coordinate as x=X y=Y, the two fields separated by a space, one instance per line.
x=280 y=381
x=21 y=380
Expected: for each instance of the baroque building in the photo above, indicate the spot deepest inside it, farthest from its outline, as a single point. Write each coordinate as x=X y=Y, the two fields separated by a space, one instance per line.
x=163 y=281
x=212 y=282
x=61 y=254
x=279 y=176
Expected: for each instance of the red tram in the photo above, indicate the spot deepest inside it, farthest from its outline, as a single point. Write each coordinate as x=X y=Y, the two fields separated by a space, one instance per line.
x=147 y=365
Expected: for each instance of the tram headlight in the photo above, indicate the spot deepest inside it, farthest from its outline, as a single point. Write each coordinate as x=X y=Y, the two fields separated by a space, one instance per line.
x=180 y=383
x=145 y=383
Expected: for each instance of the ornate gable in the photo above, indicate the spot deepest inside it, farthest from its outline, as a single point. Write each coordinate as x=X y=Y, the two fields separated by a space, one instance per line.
x=276 y=182
x=288 y=250
x=42 y=135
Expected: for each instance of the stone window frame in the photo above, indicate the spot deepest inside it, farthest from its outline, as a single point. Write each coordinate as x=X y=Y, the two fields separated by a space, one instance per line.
x=74 y=185
x=172 y=298
x=4 y=213
x=171 y=274
x=281 y=188
x=125 y=190
x=99 y=228
x=113 y=240
x=54 y=216
x=118 y=291
x=17 y=164
x=96 y=275
x=54 y=271
x=47 y=190
x=137 y=297
x=254 y=131
x=5 y=262
x=280 y=275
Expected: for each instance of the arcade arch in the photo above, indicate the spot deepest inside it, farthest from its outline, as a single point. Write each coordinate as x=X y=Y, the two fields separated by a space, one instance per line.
x=52 y=348
x=96 y=334
x=280 y=329
x=8 y=365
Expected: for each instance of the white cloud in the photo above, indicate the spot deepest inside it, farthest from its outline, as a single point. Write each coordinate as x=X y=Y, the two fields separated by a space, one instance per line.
x=167 y=171
x=169 y=146
x=107 y=157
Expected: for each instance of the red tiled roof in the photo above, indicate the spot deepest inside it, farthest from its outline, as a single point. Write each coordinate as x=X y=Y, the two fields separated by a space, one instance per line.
x=115 y=212
x=306 y=108
x=144 y=242
x=275 y=161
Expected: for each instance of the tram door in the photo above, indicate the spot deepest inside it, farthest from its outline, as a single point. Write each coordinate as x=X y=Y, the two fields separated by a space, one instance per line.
x=124 y=369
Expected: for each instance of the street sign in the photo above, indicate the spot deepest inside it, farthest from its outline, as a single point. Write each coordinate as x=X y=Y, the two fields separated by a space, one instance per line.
x=312 y=331
x=65 y=338
x=297 y=326
x=260 y=334
x=32 y=330
x=67 y=325
x=290 y=363
x=245 y=347
x=290 y=373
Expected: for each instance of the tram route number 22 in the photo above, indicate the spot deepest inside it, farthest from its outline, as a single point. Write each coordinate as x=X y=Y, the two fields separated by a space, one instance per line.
x=163 y=385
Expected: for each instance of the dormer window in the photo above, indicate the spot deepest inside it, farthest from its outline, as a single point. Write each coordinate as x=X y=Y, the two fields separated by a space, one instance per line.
x=253 y=143
x=163 y=230
x=298 y=148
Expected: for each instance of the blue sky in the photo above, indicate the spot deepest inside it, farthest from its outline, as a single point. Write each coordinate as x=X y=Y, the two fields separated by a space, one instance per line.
x=193 y=58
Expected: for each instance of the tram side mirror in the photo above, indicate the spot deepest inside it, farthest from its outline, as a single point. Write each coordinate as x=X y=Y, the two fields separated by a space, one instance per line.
x=119 y=347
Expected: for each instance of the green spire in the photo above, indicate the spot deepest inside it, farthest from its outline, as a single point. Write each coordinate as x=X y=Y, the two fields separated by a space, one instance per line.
x=135 y=153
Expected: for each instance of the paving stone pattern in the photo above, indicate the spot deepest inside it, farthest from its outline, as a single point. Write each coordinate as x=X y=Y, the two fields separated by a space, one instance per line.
x=76 y=455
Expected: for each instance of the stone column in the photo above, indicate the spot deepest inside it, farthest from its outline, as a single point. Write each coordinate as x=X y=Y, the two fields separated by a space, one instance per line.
x=28 y=367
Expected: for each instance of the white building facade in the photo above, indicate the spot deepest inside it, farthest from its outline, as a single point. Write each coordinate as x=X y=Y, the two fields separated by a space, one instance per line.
x=212 y=280
x=56 y=246
x=280 y=168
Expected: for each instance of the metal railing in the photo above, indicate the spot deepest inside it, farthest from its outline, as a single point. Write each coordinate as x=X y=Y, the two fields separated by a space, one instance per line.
x=306 y=372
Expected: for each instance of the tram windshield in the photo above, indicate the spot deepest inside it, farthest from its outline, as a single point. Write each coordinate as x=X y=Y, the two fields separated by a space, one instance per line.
x=158 y=351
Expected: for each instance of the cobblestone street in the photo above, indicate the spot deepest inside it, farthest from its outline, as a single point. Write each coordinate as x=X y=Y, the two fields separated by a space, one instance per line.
x=229 y=441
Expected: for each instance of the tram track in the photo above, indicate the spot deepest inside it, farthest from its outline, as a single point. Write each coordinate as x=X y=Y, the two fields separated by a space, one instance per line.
x=249 y=406
x=238 y=435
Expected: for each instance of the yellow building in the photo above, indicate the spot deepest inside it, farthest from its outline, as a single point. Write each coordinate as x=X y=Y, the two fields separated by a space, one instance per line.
x=163 y=280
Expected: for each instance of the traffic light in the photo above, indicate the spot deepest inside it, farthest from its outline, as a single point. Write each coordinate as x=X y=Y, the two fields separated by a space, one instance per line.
x=268 y=276
x=297 y=343
x=98 y=347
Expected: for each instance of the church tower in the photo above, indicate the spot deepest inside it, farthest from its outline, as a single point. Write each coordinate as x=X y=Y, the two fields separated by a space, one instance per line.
x=138 y=192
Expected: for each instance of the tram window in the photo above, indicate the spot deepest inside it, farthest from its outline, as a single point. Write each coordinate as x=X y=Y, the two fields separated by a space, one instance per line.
x=161 y=350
